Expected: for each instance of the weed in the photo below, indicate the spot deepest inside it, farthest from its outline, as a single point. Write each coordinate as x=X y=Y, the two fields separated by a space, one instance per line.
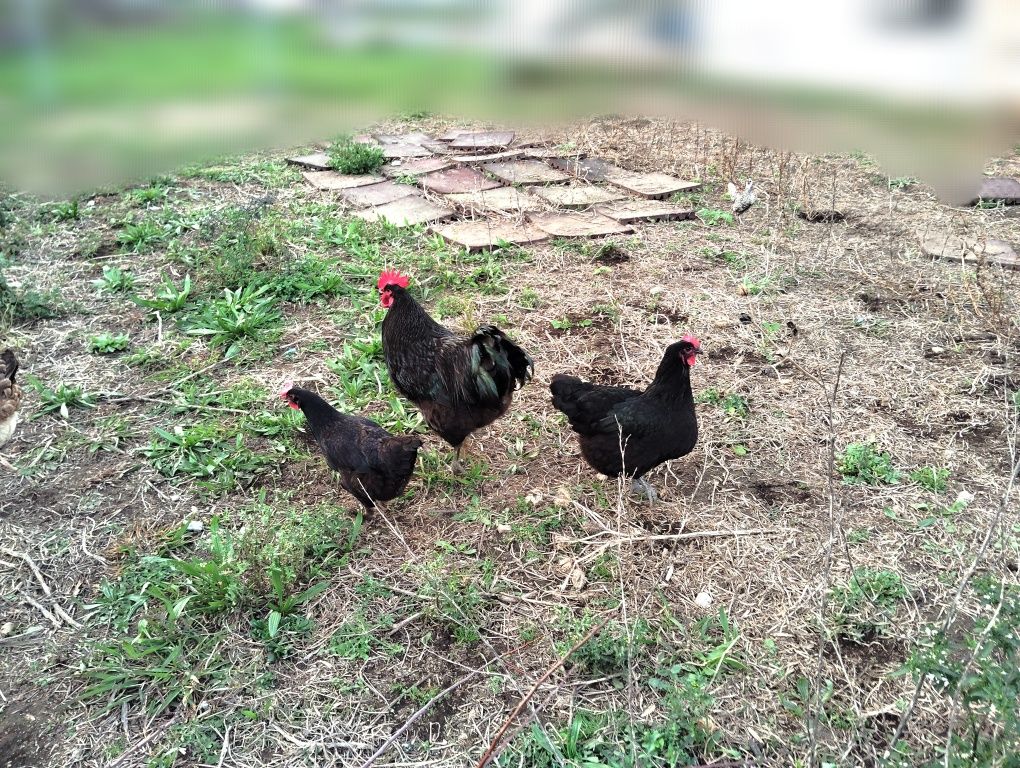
x=902 y=182
x=978 y=669
x=713 y=217
x=114 y=280
x=168 y=297
x=204 y=452
x=453 y=596
x=107 y=343
x=25 y=305
x=349 y=156
x=862 y=463
x=146 y=196
x=733 y=405
x=67 y=210
x=866 y=604
x=142 y=236
x=933 y=479
x=529 y=298
x=609 y=651
x=246 y=314
x=60 y=398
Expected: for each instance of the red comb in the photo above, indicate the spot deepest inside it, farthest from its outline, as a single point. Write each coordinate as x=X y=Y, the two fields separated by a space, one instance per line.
x=392 y=277
x=692 y=339
x=287 y=387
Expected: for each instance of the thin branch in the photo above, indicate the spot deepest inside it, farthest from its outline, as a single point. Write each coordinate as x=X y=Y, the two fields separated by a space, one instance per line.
x=31 y=564
x=534 y=689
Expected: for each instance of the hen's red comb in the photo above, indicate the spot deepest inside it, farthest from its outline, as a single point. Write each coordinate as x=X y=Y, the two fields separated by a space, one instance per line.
x=691 y=339
x=393 y=277
x=287 y=387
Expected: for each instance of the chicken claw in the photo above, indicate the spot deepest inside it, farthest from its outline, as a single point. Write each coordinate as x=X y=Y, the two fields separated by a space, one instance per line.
x=643 y=488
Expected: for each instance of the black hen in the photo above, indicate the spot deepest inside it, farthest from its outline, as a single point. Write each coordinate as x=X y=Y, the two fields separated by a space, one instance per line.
x=374 y=466
x=625 y=431
x=460 y=383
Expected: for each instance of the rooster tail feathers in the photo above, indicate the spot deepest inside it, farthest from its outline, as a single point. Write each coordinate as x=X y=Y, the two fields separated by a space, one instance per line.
x=498 y=366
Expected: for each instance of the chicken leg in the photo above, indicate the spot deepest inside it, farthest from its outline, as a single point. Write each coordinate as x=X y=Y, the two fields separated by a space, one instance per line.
x=641 y=487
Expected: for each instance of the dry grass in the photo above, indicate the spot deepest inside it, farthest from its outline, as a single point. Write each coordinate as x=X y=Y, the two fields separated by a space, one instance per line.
x=501 y=576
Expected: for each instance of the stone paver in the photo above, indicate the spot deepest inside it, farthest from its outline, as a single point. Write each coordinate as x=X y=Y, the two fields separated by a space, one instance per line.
x=439 y=147
x=526 y=172
x=649 y=184
x=510 y=154
x=588 y=168
x=408 y=211
x=378 y=194
x=403 y=138
x=454 y=180
x=578 y=196
x=332 y=180
x=416 y=166
x=628 y=211
x=452 y=134
x=941 y=245
x=497 y=200
x=998 y=188
x=578 y=224
x=482 y=140
x=481 y=234
x=549 y=153
x=318 y=161
x=404 y=150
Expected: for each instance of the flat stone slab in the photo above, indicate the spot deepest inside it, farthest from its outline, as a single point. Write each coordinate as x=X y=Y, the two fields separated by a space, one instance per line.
x=452 y=134
x=364 y=138
x=578 y=224
x=439 y=147
x=455 y=180
x=408 y=211
x=526 y=172
x=415 y=166
x=549 y=153
x=497 y=200
x=578 y=196
x=333 y=180
x=378 y=194
x=403 y=138
x=510 y=154
x=482 y=140
x=628 y=211
x=649 y=184
x=998 y=189
x=940 y=245
x=404 y=150
x=588 y=168
x=318 y=161
x=480 y=235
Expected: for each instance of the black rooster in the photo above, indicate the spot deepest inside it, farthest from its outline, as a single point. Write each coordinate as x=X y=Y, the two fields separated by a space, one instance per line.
x=644 y=429
x=460 y=383
x=374 y=465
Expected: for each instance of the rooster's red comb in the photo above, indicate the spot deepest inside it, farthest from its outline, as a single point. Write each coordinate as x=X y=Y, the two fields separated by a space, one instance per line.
x=286 y=387
x=393 y=277
x=692 y=339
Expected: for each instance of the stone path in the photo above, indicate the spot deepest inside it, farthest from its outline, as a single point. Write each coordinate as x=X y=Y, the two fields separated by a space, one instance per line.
x=503 y=192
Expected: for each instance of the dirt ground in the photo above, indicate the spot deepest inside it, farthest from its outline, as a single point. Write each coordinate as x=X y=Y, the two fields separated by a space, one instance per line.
x=764 y=612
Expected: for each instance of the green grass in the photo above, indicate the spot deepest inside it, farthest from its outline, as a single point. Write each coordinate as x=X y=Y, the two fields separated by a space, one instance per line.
x=934 y=479
x=243 y=317
x=865 y=606
x=863 y=463
x=114 y=280
x=61 y=397
x=168 y=297
x=108 y=343
x=350 y=157
x=713 y=217
x=207 y=453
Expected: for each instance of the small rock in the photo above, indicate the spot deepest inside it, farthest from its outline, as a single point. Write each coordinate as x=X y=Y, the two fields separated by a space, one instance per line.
x=656 y=290
x=562 y=497
x=534 y=498
x=503 y=528
x=6 y=629
x=577 y=579
x=703 y=600
x=63 y=411
x=195 y=526
x=964 y=497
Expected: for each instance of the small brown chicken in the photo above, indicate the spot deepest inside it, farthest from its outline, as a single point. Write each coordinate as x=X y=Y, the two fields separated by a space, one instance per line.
x=10 y=396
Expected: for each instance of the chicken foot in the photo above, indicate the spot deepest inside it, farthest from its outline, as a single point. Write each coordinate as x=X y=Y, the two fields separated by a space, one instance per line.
x=641 y=487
